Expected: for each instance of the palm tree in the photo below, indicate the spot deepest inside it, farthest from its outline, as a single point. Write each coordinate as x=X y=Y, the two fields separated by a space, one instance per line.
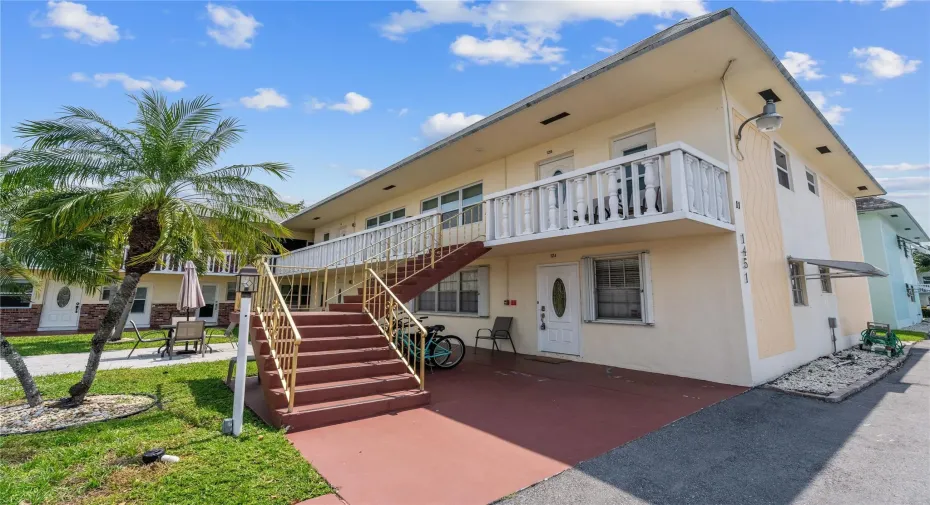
x=154 y=185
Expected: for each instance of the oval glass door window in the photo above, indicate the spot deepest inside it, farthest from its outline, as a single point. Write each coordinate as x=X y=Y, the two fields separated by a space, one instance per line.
x=64 y=296
x=558 y=297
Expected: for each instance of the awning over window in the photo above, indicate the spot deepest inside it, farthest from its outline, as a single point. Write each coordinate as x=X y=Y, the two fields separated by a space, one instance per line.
x=843 y=269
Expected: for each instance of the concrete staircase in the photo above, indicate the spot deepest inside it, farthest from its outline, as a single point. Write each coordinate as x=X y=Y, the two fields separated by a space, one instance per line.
x=346 y=369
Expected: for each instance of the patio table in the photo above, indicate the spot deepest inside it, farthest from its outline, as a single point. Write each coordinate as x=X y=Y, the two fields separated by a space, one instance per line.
x=187 y=350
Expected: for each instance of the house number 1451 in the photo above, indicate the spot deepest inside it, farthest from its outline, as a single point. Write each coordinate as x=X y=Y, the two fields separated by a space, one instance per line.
x=745 y=257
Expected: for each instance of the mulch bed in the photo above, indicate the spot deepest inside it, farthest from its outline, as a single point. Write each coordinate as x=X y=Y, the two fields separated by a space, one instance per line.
x=21 y=418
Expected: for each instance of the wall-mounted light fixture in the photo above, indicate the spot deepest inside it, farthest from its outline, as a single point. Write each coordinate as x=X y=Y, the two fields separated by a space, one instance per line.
x=767 y=121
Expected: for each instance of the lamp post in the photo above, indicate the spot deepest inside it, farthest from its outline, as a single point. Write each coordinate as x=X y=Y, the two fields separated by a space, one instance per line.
x=246 y=283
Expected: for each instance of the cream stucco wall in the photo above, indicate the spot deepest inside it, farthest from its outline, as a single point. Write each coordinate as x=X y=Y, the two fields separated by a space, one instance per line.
x=698 y=330
x=693 y=116
x=779 y=223
x=166 y=287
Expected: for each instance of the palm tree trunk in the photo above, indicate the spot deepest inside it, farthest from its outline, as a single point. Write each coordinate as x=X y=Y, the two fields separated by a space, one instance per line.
x=33 y=396
x=121 y=325
x=117 y=304
x=143 y=235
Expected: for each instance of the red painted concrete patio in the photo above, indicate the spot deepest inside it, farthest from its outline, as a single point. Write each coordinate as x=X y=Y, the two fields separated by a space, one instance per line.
x=497 y=425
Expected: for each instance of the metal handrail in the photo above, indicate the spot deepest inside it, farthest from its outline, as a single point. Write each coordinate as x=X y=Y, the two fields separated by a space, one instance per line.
x=280 y=330
x=390 y=326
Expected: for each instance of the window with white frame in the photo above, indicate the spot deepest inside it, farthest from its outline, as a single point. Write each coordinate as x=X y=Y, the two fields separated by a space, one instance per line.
x=910 y=292
x=387 y=217
x=16 y=294
x=782 y=167
x=138 y=304
x=825 y=283
x=231 y=291
x=464 y=292
x=811 y=181
x=798 y=283
x=466 y=200
x=618 y=289
x=106 y=293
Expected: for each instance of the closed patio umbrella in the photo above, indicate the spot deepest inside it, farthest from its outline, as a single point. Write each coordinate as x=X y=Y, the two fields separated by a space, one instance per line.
x=191 y=296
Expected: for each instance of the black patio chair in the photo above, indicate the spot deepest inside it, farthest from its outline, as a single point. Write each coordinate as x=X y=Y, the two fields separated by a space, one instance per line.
x=500 y=331
x=147 y=337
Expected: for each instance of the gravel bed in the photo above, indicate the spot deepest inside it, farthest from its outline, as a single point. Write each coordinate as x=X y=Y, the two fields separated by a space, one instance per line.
x=831 y=373
x=21 y=418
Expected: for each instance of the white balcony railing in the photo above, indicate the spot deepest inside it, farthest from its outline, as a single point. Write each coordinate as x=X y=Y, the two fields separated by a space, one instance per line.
x=672 y=178
x=361 y=246
x=227 y=265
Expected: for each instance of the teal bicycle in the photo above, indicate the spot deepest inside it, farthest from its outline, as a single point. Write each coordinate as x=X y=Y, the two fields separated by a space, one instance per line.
x=442 y=351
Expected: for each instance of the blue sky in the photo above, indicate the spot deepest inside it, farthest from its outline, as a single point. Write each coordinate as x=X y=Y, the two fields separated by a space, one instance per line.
x=341 y=89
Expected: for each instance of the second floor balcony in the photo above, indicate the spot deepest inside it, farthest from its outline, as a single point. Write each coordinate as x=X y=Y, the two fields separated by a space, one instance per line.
x=670 y=190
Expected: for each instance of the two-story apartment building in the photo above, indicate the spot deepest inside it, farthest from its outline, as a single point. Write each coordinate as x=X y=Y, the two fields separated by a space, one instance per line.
x=52 y=306
x=890 y=235
x=627 y=224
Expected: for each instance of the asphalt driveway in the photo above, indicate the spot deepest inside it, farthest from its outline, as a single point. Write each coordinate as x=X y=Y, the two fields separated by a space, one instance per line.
x=764 y=447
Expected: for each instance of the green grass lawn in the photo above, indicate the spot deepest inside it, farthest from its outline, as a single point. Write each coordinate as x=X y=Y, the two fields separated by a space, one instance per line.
x=100 y=463
x=910 y=336
x=65 y=344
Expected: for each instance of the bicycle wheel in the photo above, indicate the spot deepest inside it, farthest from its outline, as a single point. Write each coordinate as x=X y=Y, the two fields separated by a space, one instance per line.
x=449 y=351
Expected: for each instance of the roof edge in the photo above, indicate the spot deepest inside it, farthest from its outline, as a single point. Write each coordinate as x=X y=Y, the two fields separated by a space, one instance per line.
x=797 y=87
x=595 y=69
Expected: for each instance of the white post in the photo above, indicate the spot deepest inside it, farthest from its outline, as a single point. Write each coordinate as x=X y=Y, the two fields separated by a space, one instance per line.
x=651 y=181
x=613 y=198
x=552 y=198
x=245 y=309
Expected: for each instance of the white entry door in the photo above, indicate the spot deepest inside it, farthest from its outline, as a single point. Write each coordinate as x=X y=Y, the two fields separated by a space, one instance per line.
x=62 y=307
x=210 y=311
x=140 y=312
x=558 y=309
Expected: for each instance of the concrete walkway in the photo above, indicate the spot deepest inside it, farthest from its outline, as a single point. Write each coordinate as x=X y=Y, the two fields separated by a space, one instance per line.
x=142 y=358
x=764 y=447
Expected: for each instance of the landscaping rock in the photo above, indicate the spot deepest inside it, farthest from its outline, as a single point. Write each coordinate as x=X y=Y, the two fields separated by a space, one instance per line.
x=828 y=374
x=22 y=418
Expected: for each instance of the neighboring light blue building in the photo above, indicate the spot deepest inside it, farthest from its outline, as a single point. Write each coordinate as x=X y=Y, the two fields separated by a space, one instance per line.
x=889 y=235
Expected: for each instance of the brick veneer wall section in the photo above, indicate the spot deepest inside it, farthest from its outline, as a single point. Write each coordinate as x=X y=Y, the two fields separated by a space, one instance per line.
x=92 y=315
x=225 y=309
x=20 y=320
x=162 y=314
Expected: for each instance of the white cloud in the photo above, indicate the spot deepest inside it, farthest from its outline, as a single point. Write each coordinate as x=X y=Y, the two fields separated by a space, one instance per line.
x=904 y=185
x=883 y=63
x=442 y=124
x=509 y=50
x=5 y=149
x=607 y=45
x=802 y=66
x=459 y=66
x=362 y=173
x=400 y=112
x=835 y=114
x=231 y=28
x=314 y=104
x=518 y=32
x=891 y=4
x=78 y=23
x=570 y=72
x=901 y=167
x=659 y=27
x=265 y=98
x=849 y=79
x=353 y=104
x=130 y=83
